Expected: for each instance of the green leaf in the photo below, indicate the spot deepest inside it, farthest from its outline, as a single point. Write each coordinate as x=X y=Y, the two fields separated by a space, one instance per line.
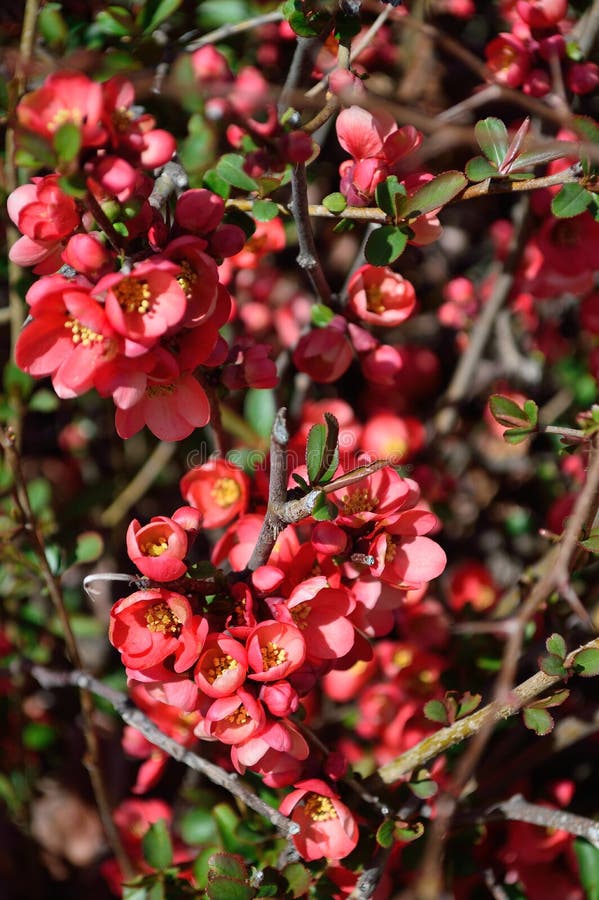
x=389 y=194
x=299 y=879
x=591 y=543
x=38 y=735
x=301 y=482
x=230 y=169
x=213 y=181
x=538 y=720
x=259 y=410
x=588 y=866
x=321 y=315
x=492 y=138
x=227 y=864
x=467 y=703
x=335 y=202
x=315 y=448
x=265 y=210
x=434 y=194
x=134 y=892
x=586 y=663
x=52 y=27
x=154 y=13
x=385 y=244
x=227 y=821
x=517 y=435
x=552 y=665
x=556 y=645
x=586 y=127
x=384 y=834
x=422 y=785
x=435 y=711
x=322 y=455
x=506 y=411
x=197 y=827
x=479 y=169
x=44 y=401
x=304 y=26
x=214 y=13
x=531 y=411
x=115 y=21
x=222 y=888
x=406 y=833
x=200 y=865
x=571 y=201
x=324 y=511
x=67 y=141
x=555 y=699
x=90 y=547
x=156 y=846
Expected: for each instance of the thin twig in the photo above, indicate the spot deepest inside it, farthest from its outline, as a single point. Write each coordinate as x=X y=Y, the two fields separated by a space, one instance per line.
x=134 y=717
x=519 y=810
x=307 y=257
x=230 y=30
x=137 y=487
x=52 y=584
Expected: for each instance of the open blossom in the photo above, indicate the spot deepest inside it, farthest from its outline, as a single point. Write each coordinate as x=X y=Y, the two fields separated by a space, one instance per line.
x=46 y=216
x=380 y=296
x=235 y=718
x=65 y=97
x=327 y=827
x=171 y=409
x=274 y=650
x=218 y=489
x=508 y=59
x=276 y=752
x=222 y=667
x=149 y=626
x=158 y=549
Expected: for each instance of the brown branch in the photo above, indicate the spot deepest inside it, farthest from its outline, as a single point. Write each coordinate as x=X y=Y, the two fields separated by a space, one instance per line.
x=307 y=257
x=230 y=30
x=518 y=810
x=134 y=717
x=52 y=585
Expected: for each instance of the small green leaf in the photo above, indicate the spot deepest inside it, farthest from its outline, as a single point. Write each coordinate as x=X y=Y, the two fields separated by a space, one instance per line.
x=230 y=169
x=556 y=645
x=321 y=315
x=434 y=194
x=389 y=194
x=552 y=665
x=384 y=834
x=265 y=210
x=335 y=202
x=479 y=169
x=303 y=25
x=153 y=14
x=299 y=879
x=156 y=846
x=324 y=511
x=586 y=663
x=467 y=703
x=531 y=410
x=586 y=127
x=134 y=892
x=44 y=401
x=52 y=26
x=406 y=833
x=301 y=482
x=517 y=435
x=555 y=699
x=197 y=827
x=385 y=244
x=571 y=201
x=228 y=864
x=90 y=547
x=538 y=720
x=435 y=711
x=260 y=409
x=591 y=543
x=38 y=736
x=422 y=785
x=492 y=138
x=315 y=448
x=67 y=141
x=213 y=181
x=506 y=411
x=588 y=866
x=222 y=888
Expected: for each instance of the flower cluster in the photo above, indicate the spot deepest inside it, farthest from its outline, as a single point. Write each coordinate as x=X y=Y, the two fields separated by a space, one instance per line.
x=128 y=303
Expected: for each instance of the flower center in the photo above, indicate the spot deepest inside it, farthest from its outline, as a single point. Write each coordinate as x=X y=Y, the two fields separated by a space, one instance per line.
x=159 y=390
x=374 y=300
x=122 y=118
x=391 y=550
x=154 y=548
x=133 y=296
x=239 y=717
x=272 y=655
x=62 y=116
x=160 y=617
x=319 y=808
x=81 y=334
x=220 y=665
x=186 y=278
x=403 y=658
x=359 y=501
x=225 y=492
x=300 y=614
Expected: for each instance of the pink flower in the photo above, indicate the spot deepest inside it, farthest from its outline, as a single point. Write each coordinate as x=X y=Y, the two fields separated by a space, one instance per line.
x=235 y=718
x=507 y=59
x=391 y=437
x=158 y=549
x=274 y=650
x=403 y=557
x=65 y=97
x=379 y=497
x=327 y=827
x=149 y=626
x=199 y=210
x=380 y=296
x=144 y=305
x=324 y=354
x=171 y=409
x=321 y=617
x=275 y=753
x=542 y=13
x=218 y=489
x=222 y=667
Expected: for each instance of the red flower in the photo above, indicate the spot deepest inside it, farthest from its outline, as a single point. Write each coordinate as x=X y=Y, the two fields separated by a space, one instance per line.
x=327 y=827
x=222 y=667
x=274 y=650
x=158 y=549
x=380 y=296
x=218 y=489
x=171 y=409
x=149 y=626
x=325 y=354
x=65 y=97
x=235 y=718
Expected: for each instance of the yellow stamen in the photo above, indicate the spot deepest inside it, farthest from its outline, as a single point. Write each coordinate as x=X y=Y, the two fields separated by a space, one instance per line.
x=403 y=658
x=62 y=116
x=159 y=390
x=81 y=334
x=374 y=300
x=239 y=717
x=153 y=548
x=220 y=665
x=319 y=808
x=300 y=615
x=133 y=295
x=272 y=655
x=391 y=550
x=160 y=617
x=225 y=492
x=359 y=501
x=186 y=278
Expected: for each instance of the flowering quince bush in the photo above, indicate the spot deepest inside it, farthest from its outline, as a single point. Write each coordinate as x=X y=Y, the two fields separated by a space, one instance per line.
x=335 y=266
